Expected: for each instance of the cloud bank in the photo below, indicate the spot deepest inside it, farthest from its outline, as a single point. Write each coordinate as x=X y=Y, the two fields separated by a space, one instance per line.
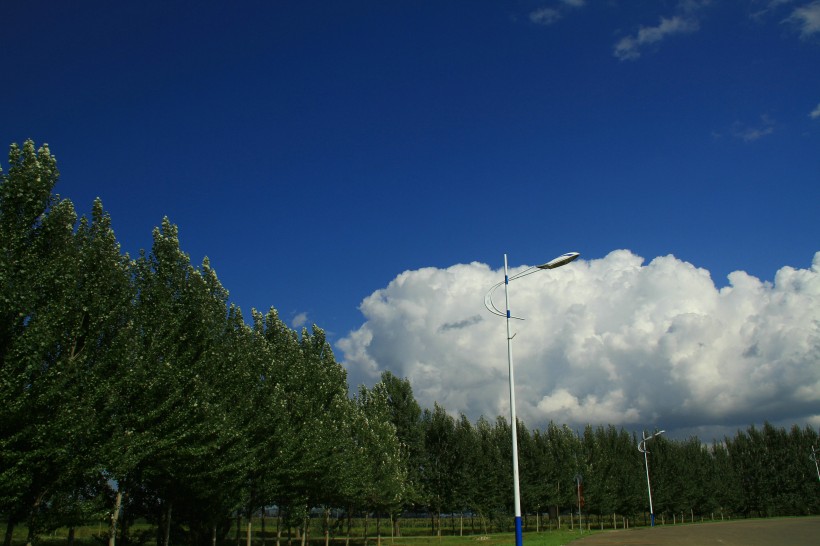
x=605 y=341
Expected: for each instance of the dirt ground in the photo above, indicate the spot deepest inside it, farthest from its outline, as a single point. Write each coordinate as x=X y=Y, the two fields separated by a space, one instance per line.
x=758 y=532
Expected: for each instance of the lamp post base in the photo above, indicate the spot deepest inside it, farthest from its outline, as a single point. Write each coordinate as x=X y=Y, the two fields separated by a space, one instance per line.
x=519 y=539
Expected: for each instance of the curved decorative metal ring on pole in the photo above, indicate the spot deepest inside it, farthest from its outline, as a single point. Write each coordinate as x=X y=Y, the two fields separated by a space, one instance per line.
x=491 y=307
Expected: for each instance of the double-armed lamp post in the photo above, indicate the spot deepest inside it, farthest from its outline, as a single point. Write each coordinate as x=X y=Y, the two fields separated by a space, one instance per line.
x=642 y=449
x=488 y=303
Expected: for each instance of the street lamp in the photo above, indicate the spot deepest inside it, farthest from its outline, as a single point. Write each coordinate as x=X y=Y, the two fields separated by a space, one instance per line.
x=642 y=449
x=578 y=480
x=488 y=303
x=814 y=458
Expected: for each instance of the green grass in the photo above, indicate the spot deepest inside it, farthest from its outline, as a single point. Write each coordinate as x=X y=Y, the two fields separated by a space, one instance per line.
x=87 y=536
x=546 y=538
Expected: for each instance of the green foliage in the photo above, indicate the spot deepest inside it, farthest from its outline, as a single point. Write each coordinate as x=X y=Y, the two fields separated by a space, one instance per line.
x=62 y=302
x=405 y=414
x=382 y=474
x=774 y=471
x=137 y=377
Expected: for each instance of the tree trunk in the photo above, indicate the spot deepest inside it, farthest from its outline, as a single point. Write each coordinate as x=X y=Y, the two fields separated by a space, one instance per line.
x=34 y=509
x=71 y=536
x=238 y=525
x=249 y=530
x=166 y=539
x=124 y=527
x=112 y=525
x=9 y=532
x=327 y=527
x=213 y=535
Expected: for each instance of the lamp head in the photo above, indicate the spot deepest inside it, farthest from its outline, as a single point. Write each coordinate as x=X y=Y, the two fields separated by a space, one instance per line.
x=563 y=259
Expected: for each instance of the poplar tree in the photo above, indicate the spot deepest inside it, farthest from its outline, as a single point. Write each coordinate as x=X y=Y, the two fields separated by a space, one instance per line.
x=165 y=411
x=381 y=470
x=272 y=348
x=466 y=450
x=93 y=329
x=726 y=485
x=36 y=228
x=495 y=478
x=405 y=414
x=440 y=464
x=314 y=390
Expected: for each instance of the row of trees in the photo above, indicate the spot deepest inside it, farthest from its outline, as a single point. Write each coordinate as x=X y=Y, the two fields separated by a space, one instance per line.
x=132 y=388
x=764 y=471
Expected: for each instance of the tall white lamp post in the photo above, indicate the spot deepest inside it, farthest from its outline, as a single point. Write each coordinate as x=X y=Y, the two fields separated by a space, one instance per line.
x=814 y=458
x=488 y=303
x=642 y=449
x=578 y=480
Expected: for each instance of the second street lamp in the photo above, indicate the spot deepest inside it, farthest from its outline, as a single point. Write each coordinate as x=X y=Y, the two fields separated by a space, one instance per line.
x=488 y=303
x=642 y=449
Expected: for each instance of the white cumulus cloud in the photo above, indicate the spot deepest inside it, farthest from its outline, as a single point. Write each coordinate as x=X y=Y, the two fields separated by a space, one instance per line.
x=609 y=341
x=751 y=133
x=629 y=47
x=548 y=16
x=545 y=16
x=299 y=320
x=807 y=18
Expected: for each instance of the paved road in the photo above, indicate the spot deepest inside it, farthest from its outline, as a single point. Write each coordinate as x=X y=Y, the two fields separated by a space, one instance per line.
x=758 y=532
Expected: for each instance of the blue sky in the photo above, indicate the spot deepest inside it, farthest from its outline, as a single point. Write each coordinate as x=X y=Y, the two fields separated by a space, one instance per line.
x=318 y=151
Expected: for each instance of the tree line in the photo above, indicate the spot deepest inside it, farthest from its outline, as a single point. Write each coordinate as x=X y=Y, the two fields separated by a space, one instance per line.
x=132 y=389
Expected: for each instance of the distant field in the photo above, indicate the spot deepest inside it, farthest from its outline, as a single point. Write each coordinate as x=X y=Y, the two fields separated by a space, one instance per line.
x=754 y=532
